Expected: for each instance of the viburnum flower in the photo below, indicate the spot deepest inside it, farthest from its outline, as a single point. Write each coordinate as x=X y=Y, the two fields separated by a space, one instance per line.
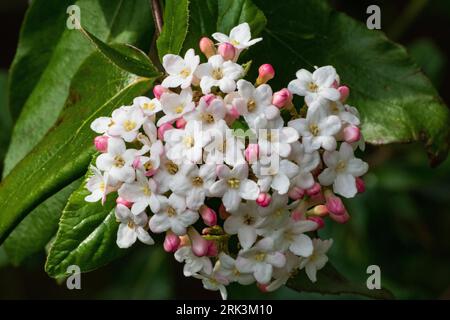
x=210 y=115
x=229 y=270
x=276 y=177
x=306 y=162
x=180 y=71
x=173 y=215
x=98 y=185
x=218 y=72
x=132 y=227
x=239 y=37
x=275 y=215
x=148 y=106
x=292 y=236
x=125 y=123
x=316 y=87
x=175 y=105
x=234 y=185
x=342 y=168
x=214 y=282
x=192 y=263
x=282 y=275
x=318 y=259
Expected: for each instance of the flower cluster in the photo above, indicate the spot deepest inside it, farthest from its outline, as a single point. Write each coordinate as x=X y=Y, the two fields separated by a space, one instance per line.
x=236 y=177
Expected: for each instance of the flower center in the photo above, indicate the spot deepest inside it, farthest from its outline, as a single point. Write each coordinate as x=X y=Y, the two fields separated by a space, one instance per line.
x=249 y=220
x=118 y=161
x=197 y=181
x=217 y=74
x=207 y=117
x=334 y=107
x=131 y=224
x=312 y=87
x=234 y=42
x=260 y=256
x=251 y=105
x=129 y=125
x=233 y=183
x=146 y=191
x=171 y=212
x=341 y=166
x=179 y=109
x=148 y=106
x=148 y=166
x=314 y=129
x=102 y=186
x=171 y=167
x=188 y=141
x=185 y=73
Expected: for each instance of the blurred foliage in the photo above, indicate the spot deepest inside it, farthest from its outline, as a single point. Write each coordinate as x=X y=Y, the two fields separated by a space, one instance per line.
x=5 y=117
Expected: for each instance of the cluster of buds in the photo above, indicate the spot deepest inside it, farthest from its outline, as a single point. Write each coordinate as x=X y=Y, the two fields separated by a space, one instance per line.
x=209 y=159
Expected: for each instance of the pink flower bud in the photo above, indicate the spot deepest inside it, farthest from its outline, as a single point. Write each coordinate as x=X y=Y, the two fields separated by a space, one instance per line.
x=223 y=213
x=171 y=242
x=208 y=215
x=180 y=123
x=314 y=190
x=212 y=249
x=297 y=215
x=136 y=162
x=232 y=114
x=208 y=98
x=101 y=143
x=352 y=134
x=124 y=202
x=360 y=185
x=296 y=193
x=162 y=130
x=335 y=206
x=264 y=199
x=266 y=72
x=198 y=243
x=318 y=220
x=320 y=210
x=207 y=47
x=345 y=92
x=343 y=218
x=262 y=287
x=281 y=98
x=158 y=90
x=252 y=153
x=227 y=51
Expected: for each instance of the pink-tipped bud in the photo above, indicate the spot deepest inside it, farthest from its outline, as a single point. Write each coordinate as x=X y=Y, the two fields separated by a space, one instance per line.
x=212 y=249
x=296 y=193
x=266 y=72
x=208 y=98
x=180 y=123
x=297 y=215
x=360 y=185
x=158 y=90
x=282 y=98
x=352 y=134
x=314 y=190
x=335 y=205
x=252 y=153
x=227 y=51
x=198 y=243
x=232 y=114
x=223 y=213
x=318 y=220
x=345 y=92
x=320 y=210
x=136 y=162
x=101 y=143
x=264 y=199
x=124 y=202
x=207 y=47
x=162 y=130
x=171 y=242
x=342 y=218
x=262 y=287
x=208 y=215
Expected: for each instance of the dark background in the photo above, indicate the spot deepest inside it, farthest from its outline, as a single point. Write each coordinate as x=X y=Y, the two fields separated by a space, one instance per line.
x=401 y=223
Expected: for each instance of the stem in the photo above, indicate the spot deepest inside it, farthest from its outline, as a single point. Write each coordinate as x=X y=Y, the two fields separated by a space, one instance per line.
x=157 y=16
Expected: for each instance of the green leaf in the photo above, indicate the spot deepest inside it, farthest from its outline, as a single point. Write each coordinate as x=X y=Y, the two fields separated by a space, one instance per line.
x=5 y=118
x=396 y=101
x=39 y=227
x=63 y=155
x=330 y=281
x=234 y=12
x=176 y=17
x=86 y=236
x=49 y=55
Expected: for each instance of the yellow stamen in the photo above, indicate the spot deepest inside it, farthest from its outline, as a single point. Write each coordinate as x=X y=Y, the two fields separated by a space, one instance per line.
x=129 y=125
x=233 y=183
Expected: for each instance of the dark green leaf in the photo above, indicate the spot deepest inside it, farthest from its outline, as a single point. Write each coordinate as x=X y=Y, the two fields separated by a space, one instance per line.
x=86 y=236
x=63 y=155
x=5 y=118
x=176 y=17
x=49 y=55
x=396 y=101
x=39 y=227
x=330 y=281
x=234 y=12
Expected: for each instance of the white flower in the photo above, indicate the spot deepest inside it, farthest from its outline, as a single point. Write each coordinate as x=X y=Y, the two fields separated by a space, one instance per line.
x=276 y=140
x=167 y=174
x=255 y=104
x=282 y=275
x=131 y=227
x=291 y=237
x=318 y=259
x=186 y=144
x=228 y=269
x=148 y=106
x=218 y=73
x=260 y=260
x=180 y=71
x=275 y=175
x=142 y=193
x=117 y=161
x=307 y=162
x=214 y=282
x=234 y=185
x=175 y=105
x=173 y=215
x=317 y=130
x=210 y=116
x=98 y=185
x=342 y=168
x=126 y=122
x=345 y=113
x=244 y=222
x=225 y=147
x=276 y=214
x=194 y=184
x=193 y=264
x=317 y=88
x=149 y=164
x=239 y=37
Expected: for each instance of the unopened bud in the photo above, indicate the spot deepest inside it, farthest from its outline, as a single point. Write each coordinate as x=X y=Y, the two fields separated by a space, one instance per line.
x=318 y=220
x=212 y=249
x=352 y=134
x=251 y=153
x=360 y=185
x=171 y=242
x=223 y=213
x=345 y=92
x=264 y=199
x=199 y=245
x=296 y=193
x=207 y=47
x=227 y=51
x=180 y=123
x=266 y=72
x=124 y=202
x=208 y=215
x=158 y=91
x=101 y=143
x=162 y=130
x=314 y=190
x=282 y=98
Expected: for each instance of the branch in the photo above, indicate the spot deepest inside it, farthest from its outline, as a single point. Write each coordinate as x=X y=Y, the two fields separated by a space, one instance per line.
x=157 y=16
